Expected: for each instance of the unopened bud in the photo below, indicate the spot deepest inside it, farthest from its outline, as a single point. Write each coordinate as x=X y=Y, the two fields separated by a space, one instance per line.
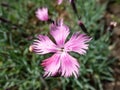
x=112 y=26
x=80 y=23
x=73 y=4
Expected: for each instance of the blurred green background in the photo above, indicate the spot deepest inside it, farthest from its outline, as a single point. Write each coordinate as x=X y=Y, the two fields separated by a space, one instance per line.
x=21 y=70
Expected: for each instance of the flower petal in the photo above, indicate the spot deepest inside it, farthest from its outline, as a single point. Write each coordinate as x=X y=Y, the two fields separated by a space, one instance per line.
x=42 y=14
x=70 y=1
x=77 y=43
x=69 y=65
x=43 y=45
x=60 y=32
x=59 y=1
x=51 y=65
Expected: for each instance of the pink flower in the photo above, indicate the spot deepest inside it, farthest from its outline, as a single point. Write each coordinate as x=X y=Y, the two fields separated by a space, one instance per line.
x=61 y=62
x=60 y=1
x=42 y=14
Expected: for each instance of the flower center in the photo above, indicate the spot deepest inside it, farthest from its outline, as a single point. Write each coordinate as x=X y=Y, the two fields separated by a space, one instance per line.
x=62 y=49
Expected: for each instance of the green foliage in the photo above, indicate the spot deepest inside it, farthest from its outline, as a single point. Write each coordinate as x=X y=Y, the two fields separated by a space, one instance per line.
x=21 y=70
x=118 y=1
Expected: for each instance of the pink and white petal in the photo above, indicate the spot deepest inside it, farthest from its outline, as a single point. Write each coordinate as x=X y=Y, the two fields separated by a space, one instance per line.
x=43 y=45
x=42 y=14
x=51 y=65
x=69 y=65
x=70 y=1
x=59 y=1
x=78 y=43
x=60 y=32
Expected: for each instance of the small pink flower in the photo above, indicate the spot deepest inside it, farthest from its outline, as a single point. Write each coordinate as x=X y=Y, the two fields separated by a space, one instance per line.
x=42 y=14
x=61 y=62
x=60 y=1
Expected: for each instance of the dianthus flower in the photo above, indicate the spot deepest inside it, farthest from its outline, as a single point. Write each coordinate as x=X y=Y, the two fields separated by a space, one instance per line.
x=42 y=14
x=61 y=62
